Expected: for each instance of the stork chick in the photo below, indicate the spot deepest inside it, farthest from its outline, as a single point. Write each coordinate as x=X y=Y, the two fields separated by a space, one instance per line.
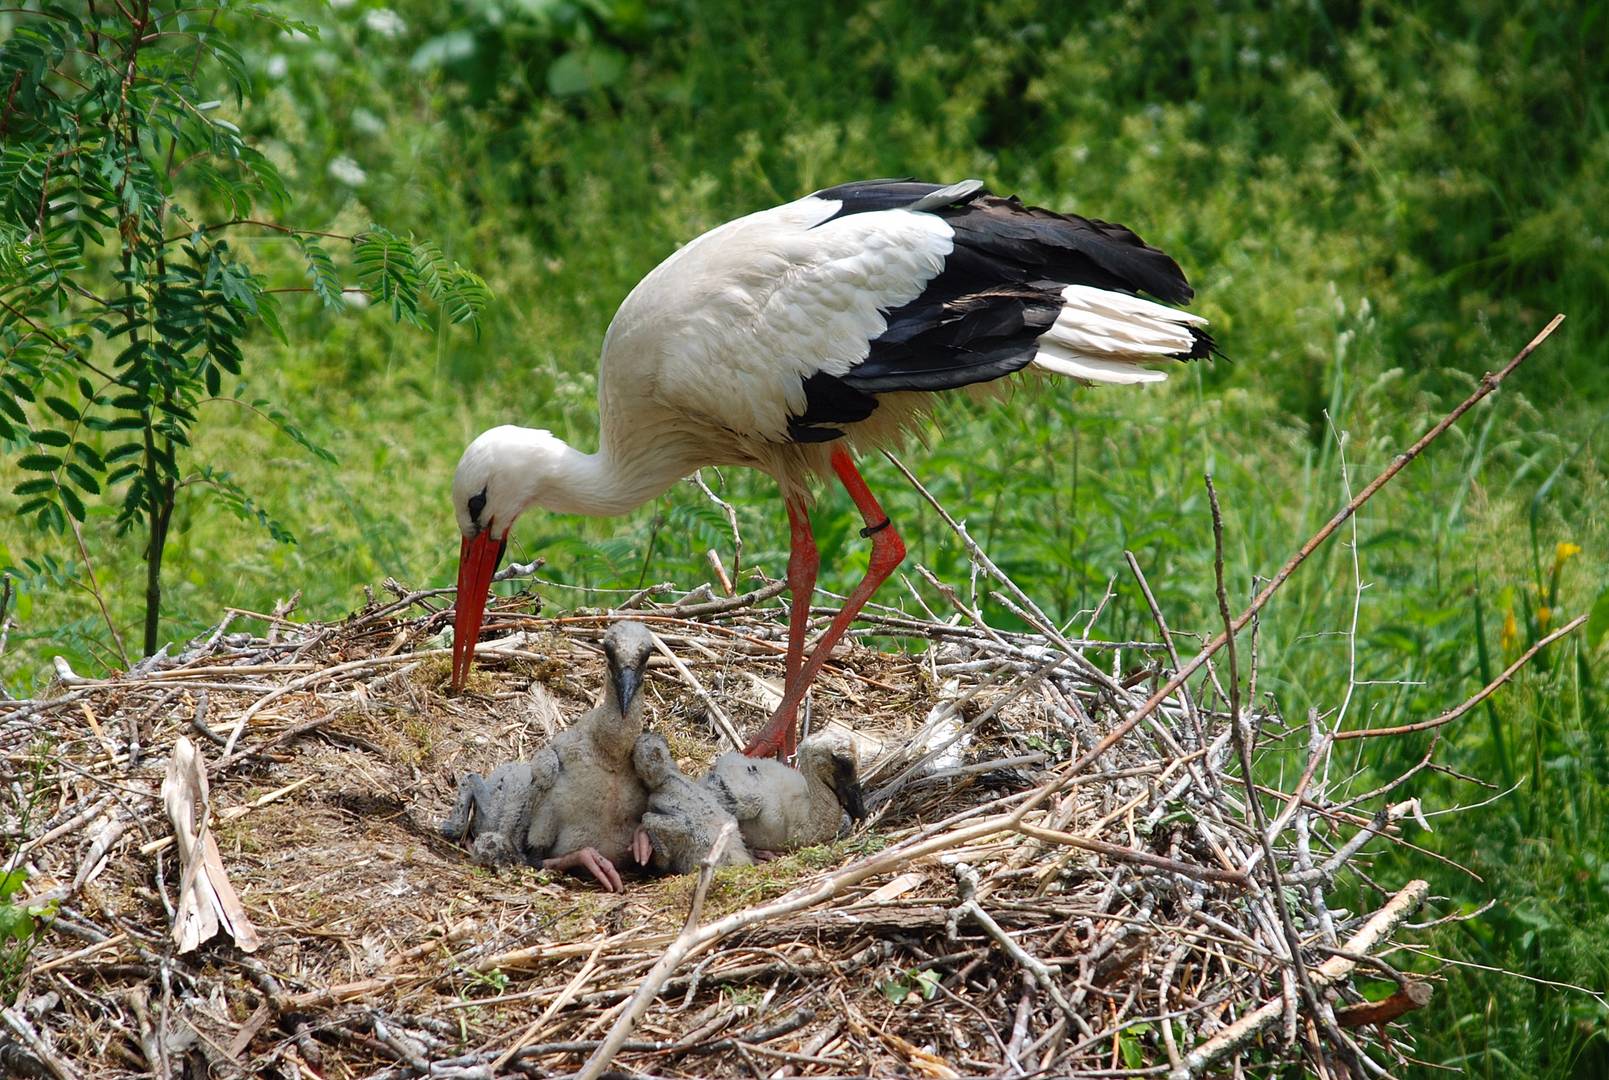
x=585 y=805
x=781 y=809
x=683 y=818
x=493 y=813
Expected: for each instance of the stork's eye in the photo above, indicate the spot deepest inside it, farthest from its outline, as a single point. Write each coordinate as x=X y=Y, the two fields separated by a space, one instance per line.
x=477 y=503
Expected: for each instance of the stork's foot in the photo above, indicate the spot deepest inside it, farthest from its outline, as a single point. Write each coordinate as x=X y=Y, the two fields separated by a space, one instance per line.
x=642 y=846
x=593 y=863
x=778 y=738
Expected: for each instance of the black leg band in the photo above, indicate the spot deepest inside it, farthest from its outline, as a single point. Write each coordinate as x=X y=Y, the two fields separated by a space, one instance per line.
x=872 y=530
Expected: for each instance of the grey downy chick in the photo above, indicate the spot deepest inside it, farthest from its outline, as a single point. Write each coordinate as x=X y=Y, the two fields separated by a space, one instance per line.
x=783 y=809
x=586 y=817
x=683 y=818
x=493 y=813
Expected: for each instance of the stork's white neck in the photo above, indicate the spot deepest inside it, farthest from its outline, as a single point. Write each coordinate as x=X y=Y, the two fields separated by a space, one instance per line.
x=602 y=484
x=520 y=467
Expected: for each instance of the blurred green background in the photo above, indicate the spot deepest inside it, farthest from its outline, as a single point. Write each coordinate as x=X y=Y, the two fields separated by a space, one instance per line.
x=1376 y=203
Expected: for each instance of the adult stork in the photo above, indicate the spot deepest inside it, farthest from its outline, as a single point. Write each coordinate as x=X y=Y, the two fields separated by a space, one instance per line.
x=783 y=339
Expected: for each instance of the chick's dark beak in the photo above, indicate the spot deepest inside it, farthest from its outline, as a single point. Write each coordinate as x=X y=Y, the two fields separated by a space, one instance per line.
x=628 y=681
x=846 y=785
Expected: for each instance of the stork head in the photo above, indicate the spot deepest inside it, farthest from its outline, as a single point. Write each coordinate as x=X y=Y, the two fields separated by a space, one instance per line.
x=830 y=757
x=627 y=647
x=652 y=759
x=501 y=473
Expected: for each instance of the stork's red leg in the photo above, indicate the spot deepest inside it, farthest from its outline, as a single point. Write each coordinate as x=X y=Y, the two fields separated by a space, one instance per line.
x=804 y=562
x=888 y=550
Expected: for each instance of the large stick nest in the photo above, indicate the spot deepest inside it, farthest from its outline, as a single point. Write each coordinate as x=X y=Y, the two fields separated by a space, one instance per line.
x=1014 y=905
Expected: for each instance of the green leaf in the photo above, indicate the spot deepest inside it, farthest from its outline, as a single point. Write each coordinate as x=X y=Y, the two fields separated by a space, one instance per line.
x=130 y=354
x=62 y=409
x=18 y=387
x=49 y=437
x=1598 y=620
x=70 y=499
x=86 y=453
x=386 y=267
x=84 y=478
x=15 y=923
x=1129 y=1045
x=591 y=67
x=39 y=462
x=321 y=272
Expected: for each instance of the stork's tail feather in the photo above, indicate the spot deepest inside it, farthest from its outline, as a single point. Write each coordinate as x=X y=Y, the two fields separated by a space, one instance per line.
x=1102 y=336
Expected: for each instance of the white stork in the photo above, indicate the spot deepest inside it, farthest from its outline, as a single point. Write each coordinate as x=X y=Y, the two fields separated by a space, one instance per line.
x=784 y=338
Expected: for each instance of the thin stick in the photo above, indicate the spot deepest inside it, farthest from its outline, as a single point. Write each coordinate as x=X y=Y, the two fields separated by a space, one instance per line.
x=731 y=520
x=1414 y=994
x=1042 y=974
x=554 y=1006
x=1167 y=640
x=95 y=591
x=1293 y=940
x=30 y=1038
x=730 y=603
x=1485 y=692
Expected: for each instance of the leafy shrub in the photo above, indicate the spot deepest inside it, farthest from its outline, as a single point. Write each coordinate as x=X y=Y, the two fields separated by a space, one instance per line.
x=124 y=303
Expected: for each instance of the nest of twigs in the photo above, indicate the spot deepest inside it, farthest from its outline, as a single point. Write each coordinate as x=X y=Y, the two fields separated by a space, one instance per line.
x=1036 y=892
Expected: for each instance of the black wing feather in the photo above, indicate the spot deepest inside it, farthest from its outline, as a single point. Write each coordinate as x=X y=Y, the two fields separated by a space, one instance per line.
x=981 y=317
x=864 y=196
x=829 y=400
x=1068 y=248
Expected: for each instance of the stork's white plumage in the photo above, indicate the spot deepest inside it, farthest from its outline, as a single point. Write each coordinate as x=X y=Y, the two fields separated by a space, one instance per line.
x=776 y=339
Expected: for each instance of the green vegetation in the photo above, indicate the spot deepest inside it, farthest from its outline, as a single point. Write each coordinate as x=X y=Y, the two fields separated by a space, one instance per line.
x=22 y=924
x=1376 y=203
x=124 y=308
x=922 y=981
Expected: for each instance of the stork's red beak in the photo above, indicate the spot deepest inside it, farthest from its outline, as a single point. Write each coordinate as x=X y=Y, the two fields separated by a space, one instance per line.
x=477 y=561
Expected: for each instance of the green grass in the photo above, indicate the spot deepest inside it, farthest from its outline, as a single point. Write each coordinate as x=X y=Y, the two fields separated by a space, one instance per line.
x=1376 y=203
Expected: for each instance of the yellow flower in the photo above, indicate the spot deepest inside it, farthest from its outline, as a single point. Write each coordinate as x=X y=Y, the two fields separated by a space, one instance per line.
x=1544 y=615
x=1565 y=550
x=1511 y=631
